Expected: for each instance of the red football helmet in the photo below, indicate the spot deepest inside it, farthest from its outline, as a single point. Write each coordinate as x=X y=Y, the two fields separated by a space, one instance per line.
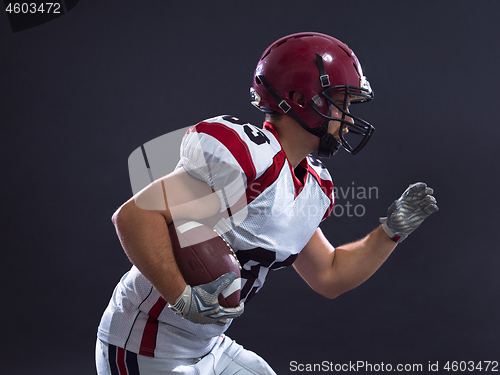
x=319 y=66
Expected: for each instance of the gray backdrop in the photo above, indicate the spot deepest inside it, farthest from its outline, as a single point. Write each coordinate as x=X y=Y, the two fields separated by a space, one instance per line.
x=80 y=93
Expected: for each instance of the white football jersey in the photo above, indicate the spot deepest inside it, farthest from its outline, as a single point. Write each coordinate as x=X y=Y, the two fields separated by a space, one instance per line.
x=269 y=211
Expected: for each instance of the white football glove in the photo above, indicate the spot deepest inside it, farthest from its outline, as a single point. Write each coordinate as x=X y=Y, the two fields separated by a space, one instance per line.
x=407 y=213
x=200 y=304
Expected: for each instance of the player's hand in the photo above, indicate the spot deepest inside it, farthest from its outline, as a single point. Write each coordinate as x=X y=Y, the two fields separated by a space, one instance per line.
x=408 y=212
x=200 y=304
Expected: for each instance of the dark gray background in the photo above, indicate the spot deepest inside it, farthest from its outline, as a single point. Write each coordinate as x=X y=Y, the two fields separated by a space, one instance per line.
x=80 y=93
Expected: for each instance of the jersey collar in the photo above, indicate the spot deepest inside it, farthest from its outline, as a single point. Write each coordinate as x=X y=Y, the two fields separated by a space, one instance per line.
x=304 y=164
x=271 y=128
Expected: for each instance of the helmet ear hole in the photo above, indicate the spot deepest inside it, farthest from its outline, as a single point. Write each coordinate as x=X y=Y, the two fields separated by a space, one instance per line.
x=298 y=97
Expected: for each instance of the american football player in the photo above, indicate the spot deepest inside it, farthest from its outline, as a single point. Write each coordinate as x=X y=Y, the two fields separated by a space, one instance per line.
x=262 y=190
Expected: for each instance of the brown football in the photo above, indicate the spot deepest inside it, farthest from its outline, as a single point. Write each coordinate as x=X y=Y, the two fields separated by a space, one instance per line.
x=202 y=256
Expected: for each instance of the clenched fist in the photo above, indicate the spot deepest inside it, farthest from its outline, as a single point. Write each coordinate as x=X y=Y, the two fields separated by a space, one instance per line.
x=409 y=211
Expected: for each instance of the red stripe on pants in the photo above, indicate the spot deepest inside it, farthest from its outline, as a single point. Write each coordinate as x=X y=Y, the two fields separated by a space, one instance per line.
x=120 y=361
x=148 y=342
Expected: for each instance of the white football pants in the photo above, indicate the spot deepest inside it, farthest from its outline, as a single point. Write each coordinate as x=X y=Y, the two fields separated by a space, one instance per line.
x=226 y=358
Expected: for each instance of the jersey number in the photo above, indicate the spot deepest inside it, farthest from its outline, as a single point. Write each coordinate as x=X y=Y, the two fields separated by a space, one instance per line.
x=252 y=261
x=256 y=135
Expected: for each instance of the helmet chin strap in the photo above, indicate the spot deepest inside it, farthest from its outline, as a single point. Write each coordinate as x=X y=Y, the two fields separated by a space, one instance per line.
x=328 y=145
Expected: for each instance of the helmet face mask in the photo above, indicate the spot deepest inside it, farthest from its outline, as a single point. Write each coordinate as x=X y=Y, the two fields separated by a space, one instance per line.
x=354 y=133
x=320 y=67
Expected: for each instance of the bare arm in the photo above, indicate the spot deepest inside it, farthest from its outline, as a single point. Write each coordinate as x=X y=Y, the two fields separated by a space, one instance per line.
x=332 y=271
x=141 y=225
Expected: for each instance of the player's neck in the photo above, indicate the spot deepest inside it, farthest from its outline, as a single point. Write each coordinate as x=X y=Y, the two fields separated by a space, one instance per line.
x=295 y=141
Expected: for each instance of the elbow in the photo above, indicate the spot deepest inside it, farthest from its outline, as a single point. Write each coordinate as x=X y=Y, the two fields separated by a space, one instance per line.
x=117 y=216
x=326 y=292
x=333 y=291
x=330 y=294
x=327 y=288
x=114 y=218
x=120 y=215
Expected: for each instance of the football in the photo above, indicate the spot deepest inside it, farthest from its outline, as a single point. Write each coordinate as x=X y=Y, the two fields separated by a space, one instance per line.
x=202 y=256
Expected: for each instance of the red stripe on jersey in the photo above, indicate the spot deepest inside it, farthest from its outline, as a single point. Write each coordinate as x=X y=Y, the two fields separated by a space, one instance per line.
x=120 y=361
x=232 y=141
x=267 y=178
x=296 y=182
x=148 y=342
x=327 y=187
x=299 y=185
